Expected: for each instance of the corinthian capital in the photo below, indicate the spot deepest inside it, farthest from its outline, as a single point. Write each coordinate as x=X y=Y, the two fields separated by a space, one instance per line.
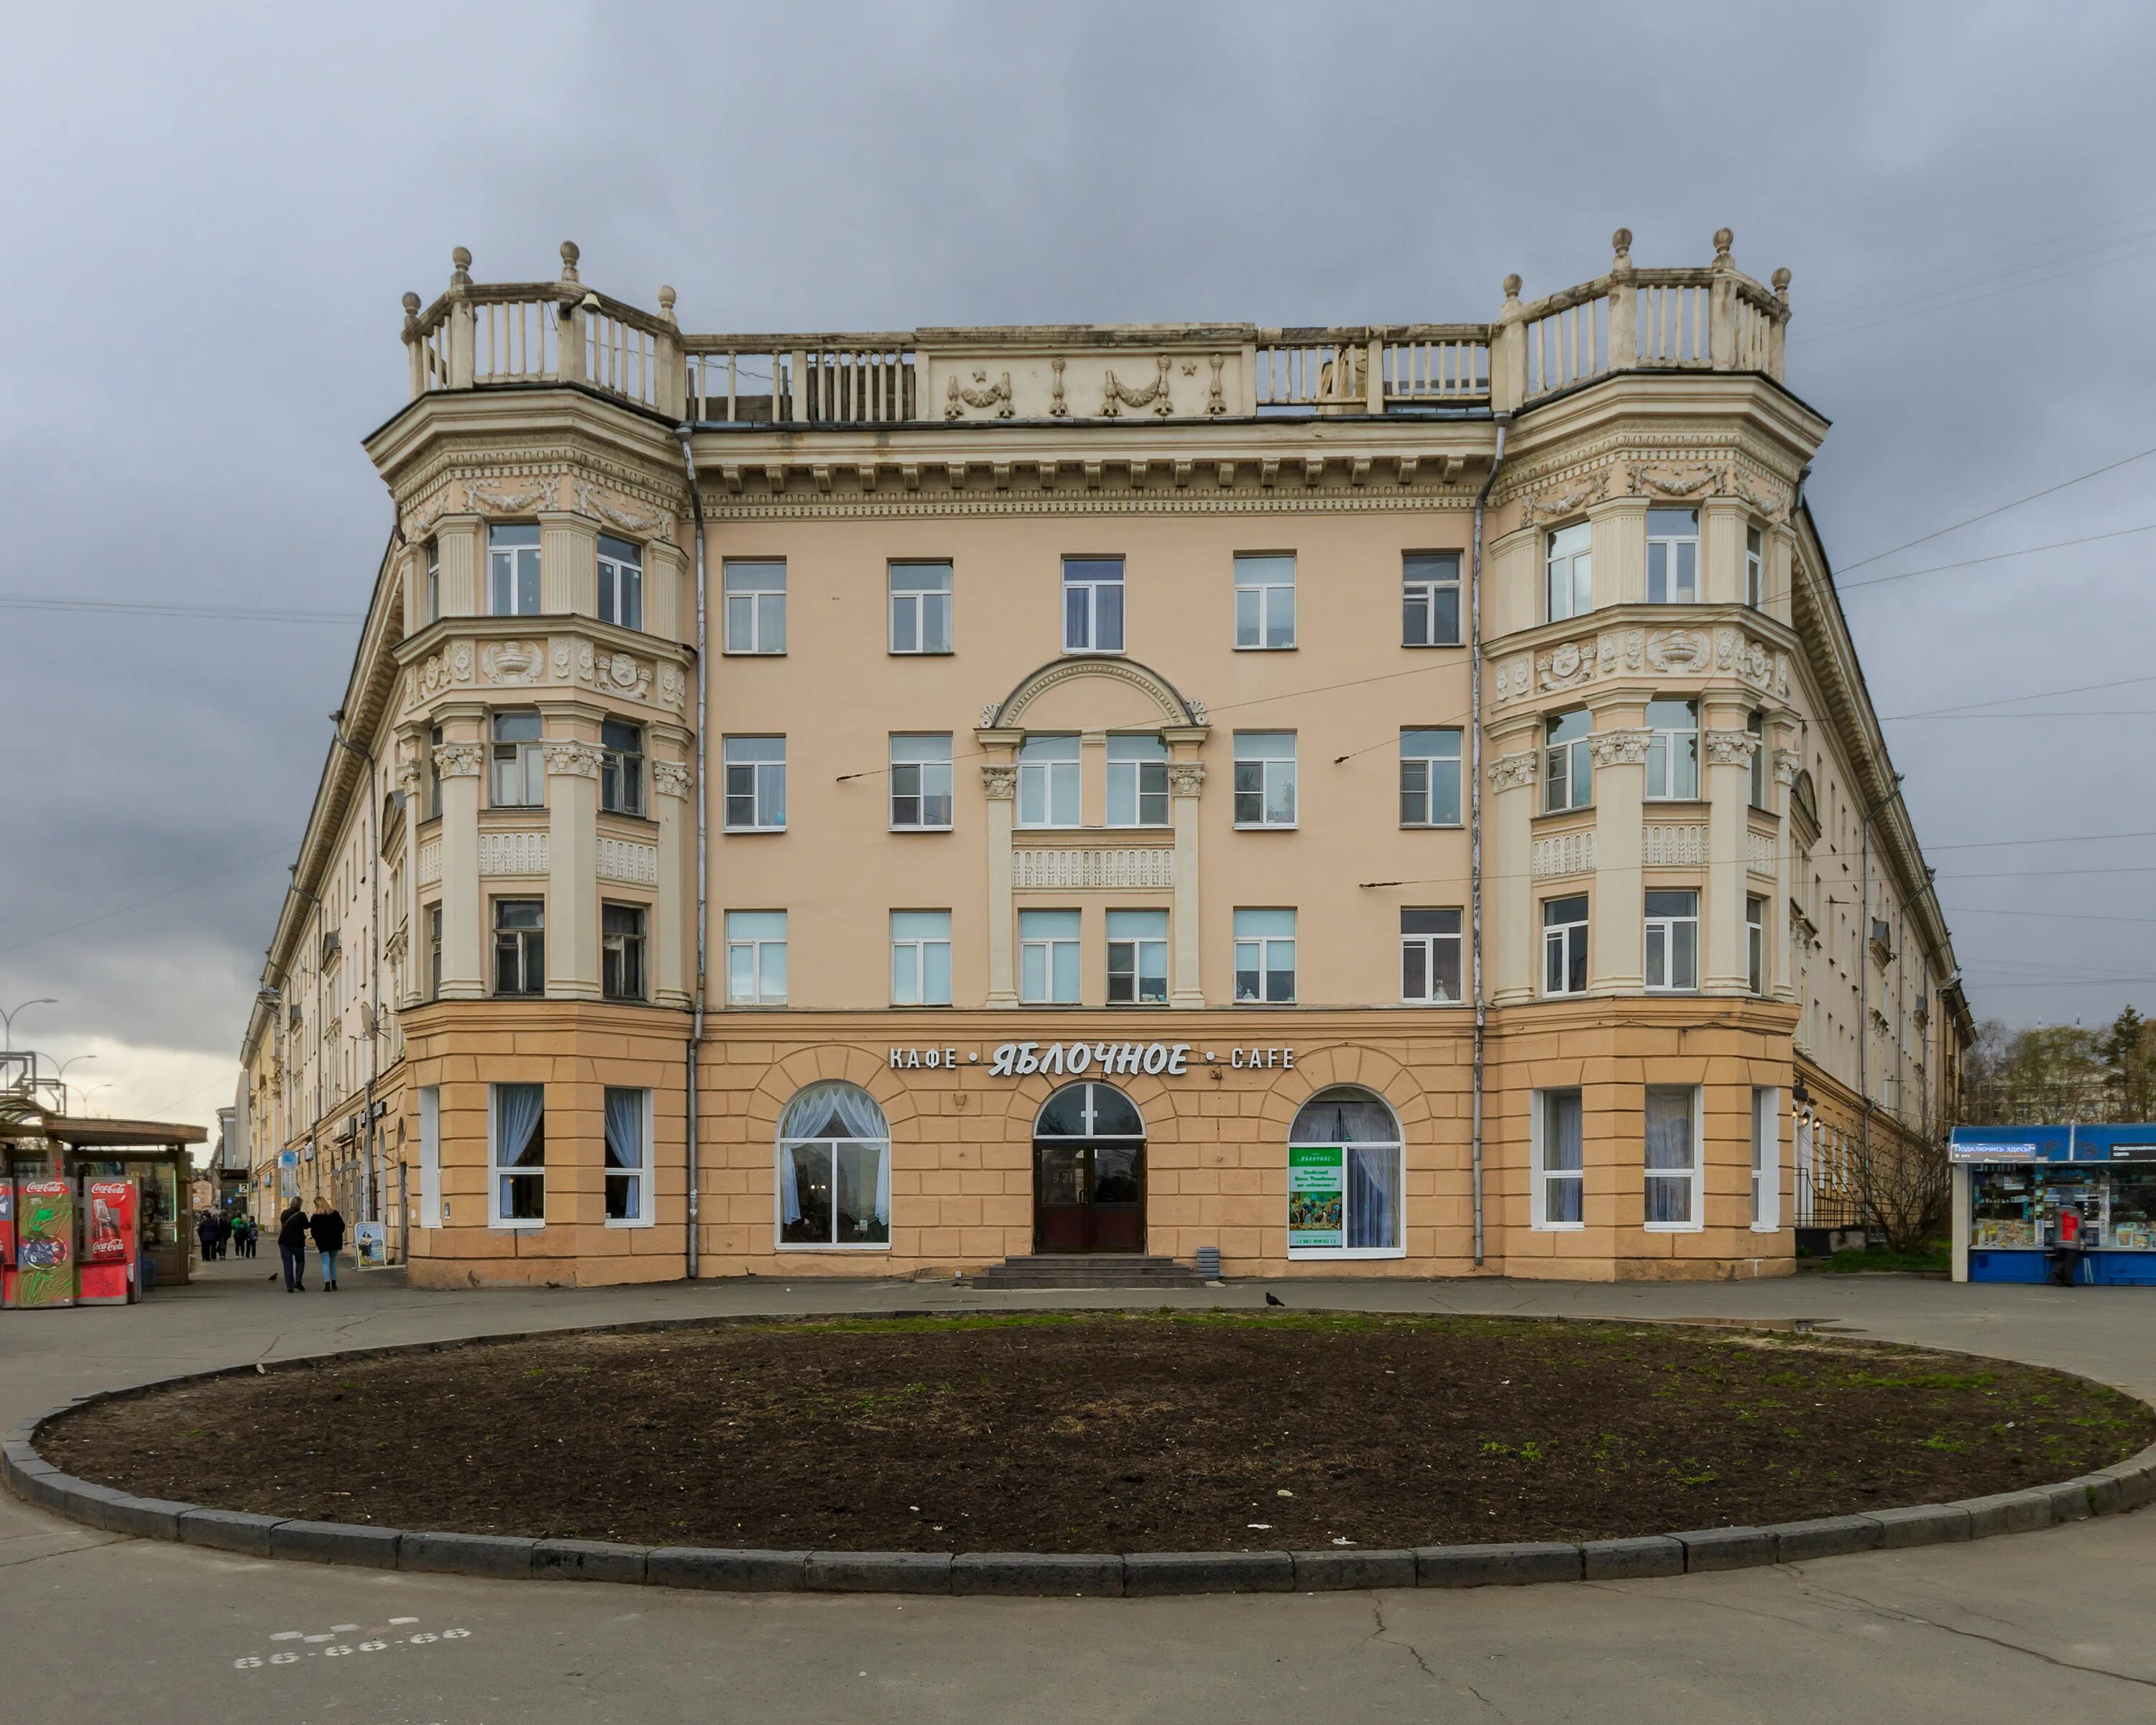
x=999 y=782
x=1619 y=748
x=1510 y=771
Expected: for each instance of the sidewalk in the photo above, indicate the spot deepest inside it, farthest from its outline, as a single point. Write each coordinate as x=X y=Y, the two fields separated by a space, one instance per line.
x=2050 y=1623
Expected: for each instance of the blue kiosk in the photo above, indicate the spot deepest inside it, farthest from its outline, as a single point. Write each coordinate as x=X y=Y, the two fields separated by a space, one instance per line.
x=2011 y=1182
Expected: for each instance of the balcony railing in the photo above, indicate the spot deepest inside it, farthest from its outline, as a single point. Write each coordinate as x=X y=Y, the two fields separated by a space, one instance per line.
x=1713 y=318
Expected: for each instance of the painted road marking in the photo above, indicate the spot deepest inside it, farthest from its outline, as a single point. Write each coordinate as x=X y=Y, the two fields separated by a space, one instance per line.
x=330 y=1647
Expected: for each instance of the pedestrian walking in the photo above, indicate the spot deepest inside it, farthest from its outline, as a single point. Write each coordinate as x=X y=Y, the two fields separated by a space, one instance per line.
x=292 y=1247
x=248 y=1230
x=326 y=1225
x=206 y=1232
x=223 y=1235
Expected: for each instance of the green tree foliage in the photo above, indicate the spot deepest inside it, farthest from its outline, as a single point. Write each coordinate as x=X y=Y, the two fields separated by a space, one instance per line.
x=2061 y=1074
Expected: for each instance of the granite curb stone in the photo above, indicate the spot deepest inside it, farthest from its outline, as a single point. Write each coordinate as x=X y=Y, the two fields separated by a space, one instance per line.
x=1496 y=1565
x=1708 y=1548
x=1825 y=1536
x=335 y=1542
x=2103 y=1492
x=587 y=1560
x=879 y=1571
x=1921 y=1524
x=465 y=1554
x=228 y=1530
x=726 y=1569
x=1626 y=1560
x=1323 y=1571
x=1038 y=1573
x=123 y=1513
x=1149 y=1574
x=2007 y=1513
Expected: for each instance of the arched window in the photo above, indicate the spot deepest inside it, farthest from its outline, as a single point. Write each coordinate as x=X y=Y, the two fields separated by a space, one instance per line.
x=1089 y=1110
x=1345 y=1178
x=834 y=1169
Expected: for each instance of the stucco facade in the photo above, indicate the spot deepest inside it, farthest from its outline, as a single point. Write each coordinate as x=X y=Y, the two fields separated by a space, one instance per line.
x=1099 y=707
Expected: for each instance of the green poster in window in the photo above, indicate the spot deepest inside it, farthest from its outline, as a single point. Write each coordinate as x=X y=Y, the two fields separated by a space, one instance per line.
x=1316 y=1194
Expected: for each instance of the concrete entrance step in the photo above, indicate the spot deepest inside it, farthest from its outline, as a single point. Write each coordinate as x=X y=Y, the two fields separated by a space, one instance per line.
x=1089 y=1270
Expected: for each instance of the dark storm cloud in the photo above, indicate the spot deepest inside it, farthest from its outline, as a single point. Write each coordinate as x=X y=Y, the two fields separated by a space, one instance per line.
x=210 y=219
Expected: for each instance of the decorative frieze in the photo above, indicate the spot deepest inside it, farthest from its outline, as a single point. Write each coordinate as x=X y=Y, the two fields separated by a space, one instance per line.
x=570 y=759
x=1673 y=846
x=1036 y=870
x=430 y=863
x=512 y=853
x=1759 y=848
x=497 y=497
x=1564 y=854
x=592 y=501
x=628 y=862
x=1630 y=651
x=514 y=664
x=566 y=660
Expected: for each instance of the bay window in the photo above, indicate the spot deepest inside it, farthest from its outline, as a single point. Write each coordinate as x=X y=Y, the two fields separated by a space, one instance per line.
x=1672 y=936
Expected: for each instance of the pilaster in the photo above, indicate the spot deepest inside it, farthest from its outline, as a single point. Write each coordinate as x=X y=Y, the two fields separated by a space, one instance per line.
x=1726 y=768
x=1508 y=872
x=999 y=786
x=1619 y=545
x=457 y=539
x=1788 y=764
x=460 y=758
x=572 y=875
x=568 y=565
x=1619 y=749
x=1721 y=524
x=670 y=790
x=1186 y=780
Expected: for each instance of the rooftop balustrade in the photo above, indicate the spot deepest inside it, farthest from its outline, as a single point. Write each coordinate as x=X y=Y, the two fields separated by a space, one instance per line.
x=481 y=336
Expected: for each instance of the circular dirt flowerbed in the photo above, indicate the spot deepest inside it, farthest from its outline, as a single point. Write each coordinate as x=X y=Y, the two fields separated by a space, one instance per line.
x=1161 y=1432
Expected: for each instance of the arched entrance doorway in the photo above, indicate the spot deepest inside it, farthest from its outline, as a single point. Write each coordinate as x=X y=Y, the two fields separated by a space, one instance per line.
x=1089 y=1172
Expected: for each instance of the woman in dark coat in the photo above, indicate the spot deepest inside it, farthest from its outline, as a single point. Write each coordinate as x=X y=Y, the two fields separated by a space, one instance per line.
x=292 y=1247
x=326 y=1225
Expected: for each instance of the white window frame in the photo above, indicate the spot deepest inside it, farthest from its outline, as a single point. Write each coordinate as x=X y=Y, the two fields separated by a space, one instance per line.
x=766 y=783
x=1667 y=925
x=1429 y=943
x=917 y=948
x=1755 y=566
x=1253 y=749
x=1755 y=942
x=642 y=937
x=1090 y=587
x=433 y=580
x=1565 y=935
x=647 y=1207
x=1766 y=1159
x=912 y=607
x=496 y=1174
x=1568 y=571
x=1262 y=945
x=1050 y=946
x=1348 y=1253
x=755 y=608
x=920 y=780
x=1541 y=1173
x=522 y=758
x=621 y=767
x=786 y=1148
x=1426 y=589
x=1142 y=779
x=1043 y=778
x=621 y=583
x=1429 y=764
x=759 y=948
x=509 y=562
x=1755 y=724
x=1569 y=764
x=1662 y=741
x=431 y=1213
x=1697 y=1221
x=1137 y=948
x=1671 y=544
x=1257 y=573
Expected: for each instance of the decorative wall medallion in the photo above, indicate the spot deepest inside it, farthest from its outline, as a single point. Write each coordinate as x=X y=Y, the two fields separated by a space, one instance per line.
x=1672 y=846
x=494 y=497
x=430 y=863
x=570 y=759
x=1566 y=666
x=669 y=778
x=512 y=853
x=515 y=663
x=1679 y=650
x=593 y=503
x=996 y=395
x=989 y=709
x=1115 y=397
x=1738 y=655
x=1564 y=854
x=1619 y=748
x=1729 y=748
x=673 y=684
x=999 y=784
x=578 y=662
x=459 y=760
x=628 y=862
x=1056 y=871
x=1510 y=771
x=1185 y=778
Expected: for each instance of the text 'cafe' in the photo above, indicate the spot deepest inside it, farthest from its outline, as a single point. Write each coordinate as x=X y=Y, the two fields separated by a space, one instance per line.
x=1105 y=1060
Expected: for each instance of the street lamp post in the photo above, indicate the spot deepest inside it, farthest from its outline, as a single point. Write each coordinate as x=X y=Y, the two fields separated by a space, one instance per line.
x=60 y=1077
x=8 y=1019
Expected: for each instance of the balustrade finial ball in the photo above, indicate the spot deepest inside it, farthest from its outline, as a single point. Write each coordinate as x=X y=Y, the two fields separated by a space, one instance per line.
x=1621 y=241
x=1782 y=281
x=461 y=259
x=666 y=299
x=570 y=253
x=411 y=303
x=1511 y=287
x=1723 y=240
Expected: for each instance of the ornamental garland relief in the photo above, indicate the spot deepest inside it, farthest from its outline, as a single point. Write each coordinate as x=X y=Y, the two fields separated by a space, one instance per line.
x=591 y=501
x=494 y=497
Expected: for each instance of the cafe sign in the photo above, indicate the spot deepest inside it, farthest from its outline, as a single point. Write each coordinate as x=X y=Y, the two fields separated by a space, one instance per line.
x=1105 y=1060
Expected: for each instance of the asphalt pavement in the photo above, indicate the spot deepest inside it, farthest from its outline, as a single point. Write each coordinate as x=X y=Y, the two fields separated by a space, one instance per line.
x=2052 y=1625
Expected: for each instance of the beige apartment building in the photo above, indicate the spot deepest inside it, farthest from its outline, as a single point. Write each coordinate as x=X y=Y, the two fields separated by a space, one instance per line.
x=1390 y=800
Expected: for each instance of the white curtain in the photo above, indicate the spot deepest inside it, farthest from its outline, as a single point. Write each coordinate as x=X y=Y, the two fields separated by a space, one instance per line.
x=1374 y=1196
x=834 y=1109
x=518 y=1109
x=1669 y=1155
x=1344 y=1117
x=789 y=1187
x=624 y=1129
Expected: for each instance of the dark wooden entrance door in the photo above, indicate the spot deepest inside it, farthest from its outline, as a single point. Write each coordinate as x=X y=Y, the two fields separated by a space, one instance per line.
x=1088 y=1198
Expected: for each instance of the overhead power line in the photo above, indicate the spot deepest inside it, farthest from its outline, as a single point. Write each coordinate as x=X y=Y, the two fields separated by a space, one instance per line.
x=1955 y=527
x=1997 y=557
x=170 y=607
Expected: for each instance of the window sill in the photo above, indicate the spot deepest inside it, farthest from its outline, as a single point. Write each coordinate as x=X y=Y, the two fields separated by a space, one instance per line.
x=920 y=653
x=1680 y=804
x=895 y=828
x=920 y=1006
x=1433 y=826
x=503 y=1227
x=752 y=653
x=1558 y=1227
x=1450 y=1005
x=1308 y=1254
x=746 y=832
x=1673 y=1227
x=1552 y=814
x=638 y=816
x=1255 y=648
x=1260 y=1005
x=1093 y=652
x=1766 y=1228
x=1267 y=826
x=638 y=1222
x=756 y=1006
x=1431 y=646
x=796 y=1246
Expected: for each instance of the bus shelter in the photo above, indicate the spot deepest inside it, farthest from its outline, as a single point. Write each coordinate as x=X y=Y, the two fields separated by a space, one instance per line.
x=2011 y=1185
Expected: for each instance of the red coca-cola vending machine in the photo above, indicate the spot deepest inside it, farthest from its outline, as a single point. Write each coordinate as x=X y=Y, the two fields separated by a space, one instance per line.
x=7 y=1228
x=109 y=1273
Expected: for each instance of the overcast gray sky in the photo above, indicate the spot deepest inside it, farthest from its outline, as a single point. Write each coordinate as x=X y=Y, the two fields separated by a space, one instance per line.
x=211 y=214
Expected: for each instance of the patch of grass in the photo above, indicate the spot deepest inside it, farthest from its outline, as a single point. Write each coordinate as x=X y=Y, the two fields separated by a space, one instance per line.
x=1936 y=1258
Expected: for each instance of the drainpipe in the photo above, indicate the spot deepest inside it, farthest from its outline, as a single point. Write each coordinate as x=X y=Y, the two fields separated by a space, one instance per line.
x=703 y=841
x=1474 y=815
